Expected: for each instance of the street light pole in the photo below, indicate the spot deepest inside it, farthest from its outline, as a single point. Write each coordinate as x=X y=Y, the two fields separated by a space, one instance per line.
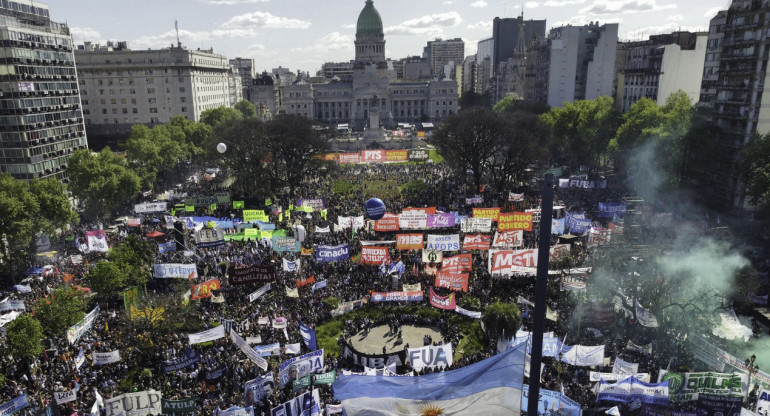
x=753 y=368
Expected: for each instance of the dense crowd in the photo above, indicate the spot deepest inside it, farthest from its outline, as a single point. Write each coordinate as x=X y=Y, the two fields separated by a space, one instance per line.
x=216 y=382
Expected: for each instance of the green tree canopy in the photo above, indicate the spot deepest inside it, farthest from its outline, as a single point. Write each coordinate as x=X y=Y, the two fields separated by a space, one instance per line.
x=512 y=105
x=219 y=115
x=128 y=263
x=523 y=147
x=25 y=337
x=247 y=109
x=501 y=319
x=60 y=310
x=755 y=170
x=102 y=182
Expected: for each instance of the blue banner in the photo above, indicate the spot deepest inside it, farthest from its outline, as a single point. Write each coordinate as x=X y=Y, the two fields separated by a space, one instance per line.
x=332 y=253
x=308 y=335
x=13 y=406
x=166 y=247
x=265 y=226
x=189 y=358
x=632 y=389
x=557 y=226
x=609 y=209
x=268 y=350
x=552 y=346
x=319 y=285
x=579 y=226
x=550 y=402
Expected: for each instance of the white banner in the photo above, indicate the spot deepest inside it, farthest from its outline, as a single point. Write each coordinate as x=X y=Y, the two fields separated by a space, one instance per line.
x=246 y=349
x=291 y=265
x=763 y=402
x=209 y=237
x=430 y=357
x=594 y=376
x=207 y=335
x=476 y=225
x=259 y=292
x=501 y=262
x=470 y=314
x=175 y=271
x=323 y=229
x=347 y=222
x=134 y=404
x=413 y=220
x=508 y=239
x=12 y=305
x=97 y=241
x=432 y=256
x=583 y=355
x=449 y=242
x=76 y=331
x=102 y=358
x=65 y=396
x=624 y=367
x=150 y=207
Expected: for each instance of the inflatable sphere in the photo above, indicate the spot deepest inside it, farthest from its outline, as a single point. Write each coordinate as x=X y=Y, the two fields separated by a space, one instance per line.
x=375 y=208
x=221 y=147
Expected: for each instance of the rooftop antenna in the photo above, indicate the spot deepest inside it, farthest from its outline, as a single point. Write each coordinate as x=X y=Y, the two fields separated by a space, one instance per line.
x=176 y=26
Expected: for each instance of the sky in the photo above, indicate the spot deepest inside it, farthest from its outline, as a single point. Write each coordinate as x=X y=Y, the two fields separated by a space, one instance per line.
x=303 y=34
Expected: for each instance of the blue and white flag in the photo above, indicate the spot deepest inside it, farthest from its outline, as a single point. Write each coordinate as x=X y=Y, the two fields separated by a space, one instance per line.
x=319 y=285
x=166 y=247
x=14 y=405
x=491 y=386
x=397 y=268
x=579 y=226
x=81 y=358
x=551 y=403
x=632 y=389
x=308 y=335
x=306 y=404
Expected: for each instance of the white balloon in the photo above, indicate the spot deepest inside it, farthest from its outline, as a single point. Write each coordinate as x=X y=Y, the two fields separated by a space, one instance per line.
x=221 y=147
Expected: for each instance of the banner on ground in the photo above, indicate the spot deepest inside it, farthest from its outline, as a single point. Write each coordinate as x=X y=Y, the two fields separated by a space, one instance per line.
x=134 y=404
x=511 y=221
x=172 y=407
x=445 y=242
x=430 y=356
x=441 y=220
x=395 y=297
x=189 y=358
x=252 y=274
x=102 y=358
x=470 y=314
x=409 y=241
x=175 y=271
x=307 y=403
x=442 y=302
x=259 y=292
x=508 y=239
x=583 y=355
x=298 y=367
x=432 y=256
x=374 y=255
x=283 y=244
x=150 y=207
x=206 y=201
x=254 y=391
x=291 y=265
x=687 y=386
x=501 y=262
x=97 y=241
x=457 y=264
x=389 y=222
x=632 y=389
x=204 y=289
x=332 y=253
x=246 y=349
x=374 y=360
x=476 y=225
x=413 y=220
x=454 y=281
x=76 y=331
x=207 y=335
x=476 y=242
x=491 y=386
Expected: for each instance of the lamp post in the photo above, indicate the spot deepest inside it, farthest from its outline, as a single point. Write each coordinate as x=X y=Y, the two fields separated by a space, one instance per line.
x=752 y=368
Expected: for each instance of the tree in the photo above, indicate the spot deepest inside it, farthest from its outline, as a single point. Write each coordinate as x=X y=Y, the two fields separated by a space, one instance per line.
x=245 y=160
x=247 y=109
x=468 y=141
x=102 y=182
x=501 y=320
x=128 y=264
x=582 y=130
x=523 y=147
x=25 y=336
x=219 y=115
x=60 y=310
x=55 y=208
x=755 y=170
x=510 y=105
x=470 y=99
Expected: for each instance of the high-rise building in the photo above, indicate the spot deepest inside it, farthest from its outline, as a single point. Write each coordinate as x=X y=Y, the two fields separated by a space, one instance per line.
x=581 y=62
x=711 y=63
x=485 y=58
x=439 y=53
x=740 y=110
x=662 y=65
x=42 y=120
x=122 y=87
x=245 y=68
x=505 y=32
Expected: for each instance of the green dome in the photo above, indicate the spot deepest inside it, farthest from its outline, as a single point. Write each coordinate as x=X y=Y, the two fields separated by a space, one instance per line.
x=369 y=21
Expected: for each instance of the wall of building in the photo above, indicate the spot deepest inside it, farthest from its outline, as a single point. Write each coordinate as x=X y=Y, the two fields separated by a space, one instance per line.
x=682 y=70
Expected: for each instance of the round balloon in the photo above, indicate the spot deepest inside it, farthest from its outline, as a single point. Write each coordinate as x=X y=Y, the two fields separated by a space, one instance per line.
x=375 y=208
x=221 y=147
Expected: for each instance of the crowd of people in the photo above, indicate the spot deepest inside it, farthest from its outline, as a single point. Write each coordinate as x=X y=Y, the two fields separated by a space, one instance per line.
x=216 y=382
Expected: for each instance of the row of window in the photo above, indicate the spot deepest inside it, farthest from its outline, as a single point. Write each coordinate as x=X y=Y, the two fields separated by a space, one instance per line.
x=20 y=103
x=21 y=120
x=40 y=54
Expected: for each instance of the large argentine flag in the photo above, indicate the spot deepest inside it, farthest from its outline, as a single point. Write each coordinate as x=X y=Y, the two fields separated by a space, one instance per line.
x=489 y=387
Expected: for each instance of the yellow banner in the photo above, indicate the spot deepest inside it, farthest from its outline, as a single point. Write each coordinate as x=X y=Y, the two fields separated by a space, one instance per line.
x=250 y=232
x=254 y=215
x=152 y=315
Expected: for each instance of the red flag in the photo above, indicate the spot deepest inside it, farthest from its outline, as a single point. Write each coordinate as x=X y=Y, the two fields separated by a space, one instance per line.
x=414 y=269
x=191 y=276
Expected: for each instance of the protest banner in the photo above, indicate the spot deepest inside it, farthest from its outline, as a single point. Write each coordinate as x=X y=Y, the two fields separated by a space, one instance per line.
x=477 y=242
x=389 y=222
x=204 y=289
x=443 y=242
x=454 y=281
x=442 y=302
x=491 y=213
x=511 y=221
x=409 y=241
x=134 y=404
x=76 y=331
x=413 y=220
x=175 y=271
x=476 y=225
x=259 y=292
x=298 y=367
x=431 y=357
x=374 y=255
x=457 y=264
x=103 y=358
x=395 y=297
x=207 y=335
x=441 y=220
x=332 y=253
x=251 y=274
x=508 y=239
x=432 y=256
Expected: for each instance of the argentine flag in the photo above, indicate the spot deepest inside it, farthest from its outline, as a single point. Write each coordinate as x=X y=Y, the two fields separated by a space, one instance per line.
x=489 y=387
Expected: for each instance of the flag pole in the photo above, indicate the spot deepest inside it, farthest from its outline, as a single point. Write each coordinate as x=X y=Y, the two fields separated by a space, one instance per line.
x=541 y=289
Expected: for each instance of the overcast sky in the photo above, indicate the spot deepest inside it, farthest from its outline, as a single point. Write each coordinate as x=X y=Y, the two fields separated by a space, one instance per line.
x=303 y=34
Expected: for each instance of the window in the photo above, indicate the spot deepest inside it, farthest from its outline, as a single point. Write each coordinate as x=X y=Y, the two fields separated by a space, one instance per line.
x=113 y=101
x=152 y=100
x=133 y=101
x=123 y=101
x=114 y=111
x=150 y=90
x=104 y=101
x=184 y=109
x=154 y=110
x=181 y=89
x=134 y=110
x=104 y=111
x=101 y=92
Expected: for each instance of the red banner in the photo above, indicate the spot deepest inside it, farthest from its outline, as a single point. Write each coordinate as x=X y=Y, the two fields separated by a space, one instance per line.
x=492 y=213
x=457 y=264
x=501 y=261
x=329 y=156
x=515 y=221
x=508 y=239
x=454 y=281
x=372 y=156
x=374 y=255
x=350 y=158
x=409 y=242
x=389 y=222
x=477 y=242
x=442 y=302
x=303 y=283
x=204 y=289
